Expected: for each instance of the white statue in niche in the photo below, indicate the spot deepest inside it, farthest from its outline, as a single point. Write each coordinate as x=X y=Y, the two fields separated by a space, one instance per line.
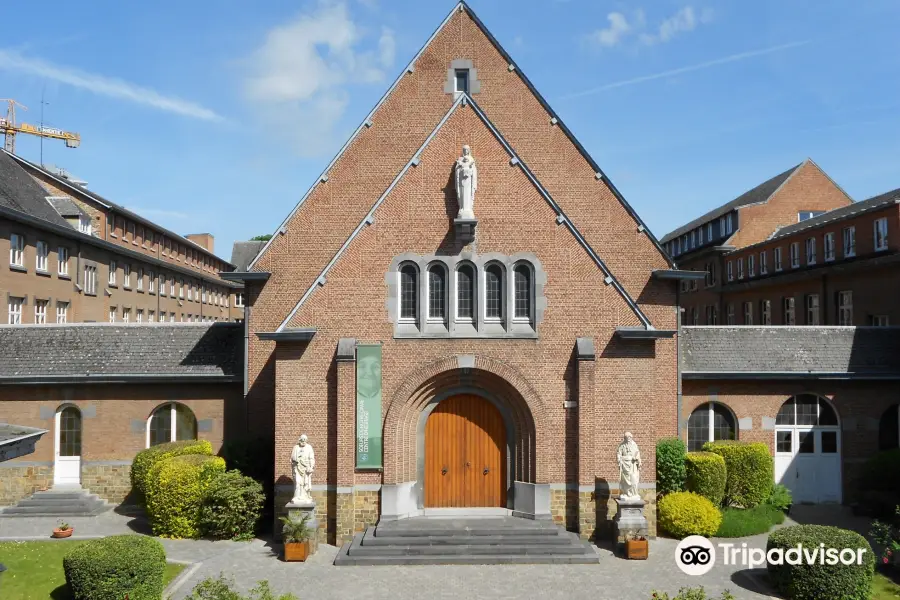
x=629 y=459
x=466 y=184
x=303 y=462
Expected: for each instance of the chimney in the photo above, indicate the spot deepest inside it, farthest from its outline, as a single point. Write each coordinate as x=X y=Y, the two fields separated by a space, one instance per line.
x=206 y=240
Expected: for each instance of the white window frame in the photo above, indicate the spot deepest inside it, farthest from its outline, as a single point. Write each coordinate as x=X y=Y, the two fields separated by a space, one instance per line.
x=111 y=280
x=482 y=280
x=126 y=315
x=17 y=250
x=795 y=255
x=181 y=288
x=880 y=232
x=112 y=313
x=530 y=317
x=813 y=306
x=14 y=308
x=40 y=311
x=811 y=251
x=140 y=279
x=42 y=256
x=828 y=247
x=729 y=271
x=848 y=236
x=748 y=313
x=84 y=225
x=139 y=315
x=126 y=275
x=711 y=419
x=171 y=317
x=62 y=312
x=721 y=226
x=190 y=293
x=428 y=318
x=173 y=434
x=765 y=312
x=151 y=316
x=729 y=313
x=751 y=265
x=172 y=287
x=239 y=300
x=694 y=238
x=740 y=268
x=763 y=262
x=456 y=78
x=62 y=260
x=90 y=279
x=728 y=224
x=789 y=300
x=880 y=321
x=709 y=231
x=778 y=264
x=151 y=282
x=845 y=308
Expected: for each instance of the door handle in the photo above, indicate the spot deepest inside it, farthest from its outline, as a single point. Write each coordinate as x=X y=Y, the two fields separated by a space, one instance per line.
x=486 y=471
x=444 y=471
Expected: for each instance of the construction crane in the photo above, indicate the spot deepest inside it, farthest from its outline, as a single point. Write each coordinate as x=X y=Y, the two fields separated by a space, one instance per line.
x=10 y=128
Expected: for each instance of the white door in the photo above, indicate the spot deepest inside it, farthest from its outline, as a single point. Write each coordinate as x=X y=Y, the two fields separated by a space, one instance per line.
x=808 y=450
x=67 y=463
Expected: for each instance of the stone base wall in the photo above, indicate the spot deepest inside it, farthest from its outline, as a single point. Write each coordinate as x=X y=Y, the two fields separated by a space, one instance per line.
x=112 y=481
x=367 y=506
x=590 y=514
x=340 y=514
x=19 y=482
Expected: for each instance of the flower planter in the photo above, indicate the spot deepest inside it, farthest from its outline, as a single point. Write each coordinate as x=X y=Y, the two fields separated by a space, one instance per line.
x=636 y=549
x=63 y=533
x=296 y=552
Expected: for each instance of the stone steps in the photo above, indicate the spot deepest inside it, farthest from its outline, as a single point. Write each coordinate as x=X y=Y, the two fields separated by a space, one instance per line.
x=66 y=502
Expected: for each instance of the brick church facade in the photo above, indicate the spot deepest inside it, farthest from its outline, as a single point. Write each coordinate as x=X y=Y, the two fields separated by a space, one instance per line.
x=529 y=340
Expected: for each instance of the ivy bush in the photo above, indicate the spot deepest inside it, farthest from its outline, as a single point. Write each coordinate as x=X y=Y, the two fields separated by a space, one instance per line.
x=175 y=490
x=686 y=513
x=116 y=567
x=750 y=471
x=231 y=507
x=146 y=459
x=817 y=581
x=670 y=469
x=706 y=475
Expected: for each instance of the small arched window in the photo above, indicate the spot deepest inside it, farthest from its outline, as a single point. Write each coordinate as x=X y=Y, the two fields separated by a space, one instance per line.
x=710 y=422
x=70 y=431
x=806 y=409
x=409 y=292
x=160 y=427
x=889 y=429
x=493 y=292
x=522 y=289
x=465 y=293
x=437 y=292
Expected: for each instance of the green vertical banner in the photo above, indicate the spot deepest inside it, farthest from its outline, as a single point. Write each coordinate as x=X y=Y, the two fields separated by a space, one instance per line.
x=368 y=406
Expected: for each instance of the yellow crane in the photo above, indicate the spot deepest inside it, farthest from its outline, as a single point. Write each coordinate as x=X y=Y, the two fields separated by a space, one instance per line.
x=10 y=128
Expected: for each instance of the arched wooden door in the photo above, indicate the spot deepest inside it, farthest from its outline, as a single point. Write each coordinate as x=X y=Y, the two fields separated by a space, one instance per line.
x=465 y=454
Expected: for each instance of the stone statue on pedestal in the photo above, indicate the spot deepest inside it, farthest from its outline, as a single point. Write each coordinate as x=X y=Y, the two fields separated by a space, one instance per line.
x=466 y=177
x=629 y=459
x=303 y=463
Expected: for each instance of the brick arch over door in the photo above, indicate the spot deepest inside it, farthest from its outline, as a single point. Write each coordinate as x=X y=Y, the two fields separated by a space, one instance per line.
x=497 y=380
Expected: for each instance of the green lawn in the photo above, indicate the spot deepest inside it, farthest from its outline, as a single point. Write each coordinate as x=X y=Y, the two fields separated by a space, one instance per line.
x=739 y=522
x=34 y=569
x=883 y=588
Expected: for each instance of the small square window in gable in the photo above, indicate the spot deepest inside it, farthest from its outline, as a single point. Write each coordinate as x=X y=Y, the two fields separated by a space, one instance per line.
x=462 y=76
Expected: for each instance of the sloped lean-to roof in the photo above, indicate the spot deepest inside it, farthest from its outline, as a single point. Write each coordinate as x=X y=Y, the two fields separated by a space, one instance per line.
x=243 y=253
x=462 y=6
x=515 y=160
x=844 y=212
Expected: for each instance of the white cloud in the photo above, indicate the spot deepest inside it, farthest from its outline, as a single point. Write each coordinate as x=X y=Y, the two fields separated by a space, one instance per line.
x=683 y=21
x=621 y=28
x=105 y=86
x=615 y=33
x=302 y=69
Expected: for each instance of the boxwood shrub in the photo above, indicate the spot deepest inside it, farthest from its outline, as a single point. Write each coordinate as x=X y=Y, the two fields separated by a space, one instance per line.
x=231 y=506
x=145 y=459
x=817 y=581
x=750 y=471
x=175 y=489
x=706 y=475
x=116 y=567
x=670 y=456
x=686 y=513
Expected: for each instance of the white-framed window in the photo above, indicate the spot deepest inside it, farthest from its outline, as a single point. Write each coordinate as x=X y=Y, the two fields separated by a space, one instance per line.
x=62 y=260
x=140 y=279
x=172 y=287
x=700 y=234
x=522 y=291
x=151 y=316
x=828 y=247
x=151 y=282
x=17 y=250
x=795 y=255
x=203 y=294
x=777 y=258
x=881 y=234
x=879 y=321
x=461 y=80
x=466 y=293
x=437 y=293
x=694 y=238
x=170 y=423
x=139 y=315
x=789 y=313
x=131 y=231
x=695 y=315
x=62 y=312
x=40 y=311
x=729 y=314
x=740 y=267
x=90 y=279
x=112 y=272
x=763 y=262
x=729 y=271
x=712 y=315
x=143 y=237
x=677 y=246
x=112 y=313
x=181 y=288
x=808 y=214
x=728 y=224
x=811 y=251
x=493 y=292
x=84 y=225
x=409 y=293
x=849 y=234
x=41 y=254
x=721 y=226
x=239 y=299
x=845 y=308
x=126 y=315
x=14 y=306
x=812 y=309
x=190 y=292
x=171 y=317
x=748 y=313
x=765 y=312
x=751 y=266
x=709 y=231
x=126 y=275
x=710 y=422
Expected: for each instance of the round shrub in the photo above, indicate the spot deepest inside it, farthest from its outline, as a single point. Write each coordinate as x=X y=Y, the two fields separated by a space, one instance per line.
x=750 y=471
x=670 y=455
x=175 y=489
x=231 y=507
x=145 y=459
x=116 y=567
x=706 y=475
x=686 y=513
x=816 y=581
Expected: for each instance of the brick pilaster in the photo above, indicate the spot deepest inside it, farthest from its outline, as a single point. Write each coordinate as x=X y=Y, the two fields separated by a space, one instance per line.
x=346 y=438
x=586 y=430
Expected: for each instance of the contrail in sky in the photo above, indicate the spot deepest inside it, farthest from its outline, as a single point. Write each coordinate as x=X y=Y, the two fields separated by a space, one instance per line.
x=699 y=67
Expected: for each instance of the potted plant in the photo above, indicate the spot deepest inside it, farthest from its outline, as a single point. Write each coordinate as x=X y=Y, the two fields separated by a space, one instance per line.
x=63 y=531
x=636 y=546
x=296 y=534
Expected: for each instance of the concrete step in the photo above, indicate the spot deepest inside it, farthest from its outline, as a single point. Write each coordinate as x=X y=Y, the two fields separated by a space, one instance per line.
x=479 y=540
x=346 y=557
x=462 y=550
x=60 y=511
x=64 y=502
x=395 y=531
x=48 y=495
x=50 y=502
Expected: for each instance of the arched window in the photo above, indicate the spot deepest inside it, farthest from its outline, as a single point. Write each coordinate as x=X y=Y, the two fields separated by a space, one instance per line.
x=493 y=292
x=522 y=290
x=465 y=293
x=70 y=431
x=409 y=292
x=710 y=422
x=160 y=427
x=437 y=292
x=889 y=429
x=806 y=409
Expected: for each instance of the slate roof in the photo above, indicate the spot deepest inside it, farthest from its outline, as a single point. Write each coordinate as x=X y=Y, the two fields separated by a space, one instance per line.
x=18 y=191
x=758 y=194
x=773 y=350
x=97 y=350
x=882 y=200
x=243 y=253
x=66 y=207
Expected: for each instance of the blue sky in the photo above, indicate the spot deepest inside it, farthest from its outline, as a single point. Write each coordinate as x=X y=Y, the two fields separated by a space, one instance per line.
x=217 y=116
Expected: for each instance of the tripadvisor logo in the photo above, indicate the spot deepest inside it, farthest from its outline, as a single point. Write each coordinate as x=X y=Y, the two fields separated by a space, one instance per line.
x=696 y=555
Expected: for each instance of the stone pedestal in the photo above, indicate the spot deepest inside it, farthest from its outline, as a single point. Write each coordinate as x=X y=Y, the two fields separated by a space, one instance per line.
x=629 y=520
x=465 y=229
x=297 y=511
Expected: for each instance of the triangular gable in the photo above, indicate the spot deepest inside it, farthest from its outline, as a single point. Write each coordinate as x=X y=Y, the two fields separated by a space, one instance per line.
x=462 y=6
x=515 y=160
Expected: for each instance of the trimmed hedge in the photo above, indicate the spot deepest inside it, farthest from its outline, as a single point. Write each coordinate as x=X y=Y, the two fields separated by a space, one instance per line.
x=686 y=513
x=750 y=471
x=741 y=522
x=706 y=475
x=116 y=567
x=175 y=489
x=817 y=581
x=670 y=473
x=145 y=459
x=231 y=506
